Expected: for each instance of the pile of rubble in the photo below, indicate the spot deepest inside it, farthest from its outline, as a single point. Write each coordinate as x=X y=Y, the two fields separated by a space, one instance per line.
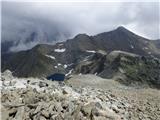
x=35 y=99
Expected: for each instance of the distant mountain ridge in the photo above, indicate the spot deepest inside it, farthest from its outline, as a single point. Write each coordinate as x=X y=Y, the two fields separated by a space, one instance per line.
x=125 y=67
x=43 y=60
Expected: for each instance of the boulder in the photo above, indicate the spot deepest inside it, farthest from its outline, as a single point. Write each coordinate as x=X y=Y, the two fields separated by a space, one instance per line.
x=115 y=108
x=7 y=75
x=30 y=98
x=42 y=84
x=86 y=109
x=12 y=111
x=45 y=114
x=58 y=107
x=108 y=114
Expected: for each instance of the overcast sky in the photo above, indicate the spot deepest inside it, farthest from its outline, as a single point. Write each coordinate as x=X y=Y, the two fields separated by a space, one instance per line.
x=65 y=19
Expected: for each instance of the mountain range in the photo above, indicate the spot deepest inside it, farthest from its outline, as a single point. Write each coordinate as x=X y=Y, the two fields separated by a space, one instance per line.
x=67 y=57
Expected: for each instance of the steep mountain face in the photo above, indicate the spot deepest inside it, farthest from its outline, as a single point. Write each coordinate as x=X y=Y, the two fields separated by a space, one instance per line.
x=43 y=60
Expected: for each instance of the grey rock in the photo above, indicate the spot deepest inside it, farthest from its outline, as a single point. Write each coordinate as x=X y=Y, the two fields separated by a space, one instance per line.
x=45 y=114
x=7 y=75
x=67 y=90
x=42 y=118
x=42 y=84
x=58 y=107
x=108 y=114
x=115 y=108
x=20 y=113
x=86 y=109
x=12 y=111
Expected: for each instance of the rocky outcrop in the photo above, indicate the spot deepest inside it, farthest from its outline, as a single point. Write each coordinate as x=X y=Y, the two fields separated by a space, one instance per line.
x=36 y=99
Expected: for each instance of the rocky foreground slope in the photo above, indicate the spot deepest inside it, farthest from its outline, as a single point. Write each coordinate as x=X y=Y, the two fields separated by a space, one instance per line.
x=144 y=101
x=35 y=99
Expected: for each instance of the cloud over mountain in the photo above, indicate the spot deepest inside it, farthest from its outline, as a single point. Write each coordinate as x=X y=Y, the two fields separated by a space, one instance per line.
x=53 y=21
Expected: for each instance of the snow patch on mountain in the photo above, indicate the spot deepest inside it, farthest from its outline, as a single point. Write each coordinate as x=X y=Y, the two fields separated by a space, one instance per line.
x=60 y=44
x=60 y=50
x=65 y=66
x=90 y=51
x=69 y=72
x=145 y=48
x=49 y=56
x=132 y=46
x=70 y=64
x=59 y=64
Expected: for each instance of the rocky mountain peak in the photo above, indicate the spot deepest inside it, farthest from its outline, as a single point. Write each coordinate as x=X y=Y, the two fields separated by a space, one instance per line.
x=121 y=28
x=123 y=31
x=80 y=36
